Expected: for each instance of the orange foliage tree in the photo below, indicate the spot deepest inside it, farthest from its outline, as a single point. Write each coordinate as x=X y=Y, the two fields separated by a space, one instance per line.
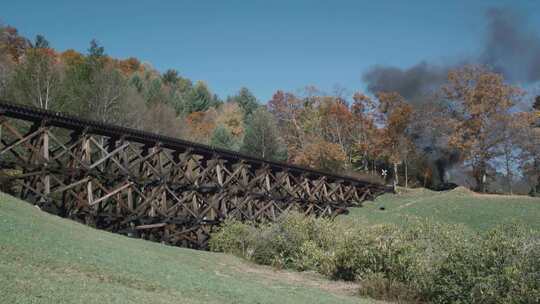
x=324 y=131
x=288 y=110
x=129 y=66
x=395 y=141
x=231 y=116
x=200 y=125
x=480 y=100
x=321 y=154
x=337 y=124
x=71 y=57
x=364 y=132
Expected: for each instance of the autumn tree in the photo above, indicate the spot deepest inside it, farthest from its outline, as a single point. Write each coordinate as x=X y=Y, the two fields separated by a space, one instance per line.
x=128 y=66
x=37 y=79
x=199 y=126
x=479 y=100
x=262 y=137
x=96 y=88
x=337 y=123
x=13 y=44
x=231 y=116
x=363 y=132
x=395 y=141
x=71 y=58
x=528 y=140
x=289 y=113
x=319 y=130
x=160 y=118
x=322 y=155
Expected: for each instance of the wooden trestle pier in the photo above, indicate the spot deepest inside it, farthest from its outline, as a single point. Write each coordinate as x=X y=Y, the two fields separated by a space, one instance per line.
x=155 y=187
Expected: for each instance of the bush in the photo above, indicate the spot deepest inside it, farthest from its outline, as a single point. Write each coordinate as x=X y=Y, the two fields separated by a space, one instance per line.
x=502 y=266
x=234 y=238
x=294 y=241
x=379 y=287
x=421 y=261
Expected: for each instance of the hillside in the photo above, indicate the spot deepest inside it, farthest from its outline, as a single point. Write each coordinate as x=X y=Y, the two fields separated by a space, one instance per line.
x=459 y=206
x=46 y=259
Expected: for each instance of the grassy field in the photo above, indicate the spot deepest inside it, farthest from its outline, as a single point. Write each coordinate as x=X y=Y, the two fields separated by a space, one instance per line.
x=46 y=259
x=458 y=206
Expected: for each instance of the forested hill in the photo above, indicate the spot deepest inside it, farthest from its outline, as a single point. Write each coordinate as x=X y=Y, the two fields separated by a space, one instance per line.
x=468 y=131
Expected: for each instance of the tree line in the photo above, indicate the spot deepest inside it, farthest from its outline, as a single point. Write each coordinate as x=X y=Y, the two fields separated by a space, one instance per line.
x=470 y=131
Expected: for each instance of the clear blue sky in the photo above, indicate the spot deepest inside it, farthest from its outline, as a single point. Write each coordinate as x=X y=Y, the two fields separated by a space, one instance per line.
x=265 y=45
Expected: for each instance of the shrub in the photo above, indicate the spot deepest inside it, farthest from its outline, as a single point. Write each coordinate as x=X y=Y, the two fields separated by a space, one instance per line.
x=379 y=287
x=235 y=238
x=501 y=266
x=293 y=241
x=420 y=261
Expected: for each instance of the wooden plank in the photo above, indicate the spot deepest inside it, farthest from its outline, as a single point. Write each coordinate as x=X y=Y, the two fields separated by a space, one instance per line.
x=22 y=140
x=74 y=184
x=158 y=225
x=107 y=156
x=110 y=194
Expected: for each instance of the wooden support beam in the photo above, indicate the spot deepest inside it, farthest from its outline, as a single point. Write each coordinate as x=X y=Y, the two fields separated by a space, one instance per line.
x=151 y=226
x=110 y=194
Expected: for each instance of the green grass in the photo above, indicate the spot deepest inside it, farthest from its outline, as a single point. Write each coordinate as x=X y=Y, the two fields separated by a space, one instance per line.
x=46 y=259
x=459 y=206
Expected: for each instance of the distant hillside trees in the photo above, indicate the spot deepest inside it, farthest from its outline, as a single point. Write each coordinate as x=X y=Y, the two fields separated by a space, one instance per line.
x=222 y=138
x=469 y=129
x=36 y=79
x=95 y=86
x=246 y=100
x=199 y=99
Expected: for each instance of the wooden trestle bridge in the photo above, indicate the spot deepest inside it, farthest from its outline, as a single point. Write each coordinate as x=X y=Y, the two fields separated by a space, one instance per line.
x=151 y=186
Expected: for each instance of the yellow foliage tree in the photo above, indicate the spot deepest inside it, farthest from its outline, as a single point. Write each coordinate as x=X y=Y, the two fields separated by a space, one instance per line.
x=479 y=100
x=395 y=143
x=321 y=154
x=231 y=116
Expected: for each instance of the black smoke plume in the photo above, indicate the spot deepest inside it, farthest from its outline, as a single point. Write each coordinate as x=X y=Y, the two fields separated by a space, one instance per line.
x=415 y=84
x=511 y=47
